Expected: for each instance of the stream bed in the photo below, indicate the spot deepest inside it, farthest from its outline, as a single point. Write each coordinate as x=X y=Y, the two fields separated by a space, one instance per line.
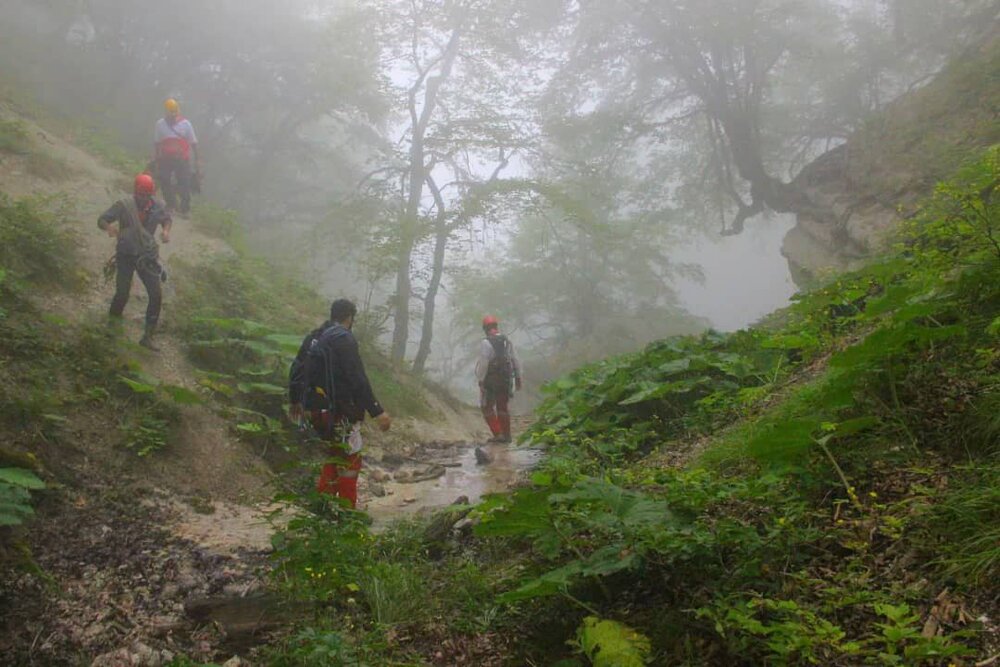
x=437 y=474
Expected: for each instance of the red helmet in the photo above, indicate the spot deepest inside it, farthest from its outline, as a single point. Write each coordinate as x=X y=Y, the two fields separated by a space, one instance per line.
x=490 y=322
x=144 y=185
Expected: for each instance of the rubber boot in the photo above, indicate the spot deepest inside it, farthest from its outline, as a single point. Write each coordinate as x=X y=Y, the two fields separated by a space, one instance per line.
x=147 y=339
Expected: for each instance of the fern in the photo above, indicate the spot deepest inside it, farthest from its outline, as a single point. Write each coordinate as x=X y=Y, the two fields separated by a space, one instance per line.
x=16 y=485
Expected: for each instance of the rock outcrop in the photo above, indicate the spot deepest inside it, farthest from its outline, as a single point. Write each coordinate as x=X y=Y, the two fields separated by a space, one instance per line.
x=879 y=176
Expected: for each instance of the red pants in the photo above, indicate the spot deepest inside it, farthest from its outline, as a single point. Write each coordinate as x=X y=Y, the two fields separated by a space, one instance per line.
x=495 y=411
x=339 y=478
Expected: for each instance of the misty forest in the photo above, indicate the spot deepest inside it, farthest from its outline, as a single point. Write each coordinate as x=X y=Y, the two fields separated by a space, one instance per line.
x=549 y=333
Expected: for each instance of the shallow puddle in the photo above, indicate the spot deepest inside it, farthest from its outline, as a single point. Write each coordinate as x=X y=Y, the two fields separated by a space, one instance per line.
x=463 y=476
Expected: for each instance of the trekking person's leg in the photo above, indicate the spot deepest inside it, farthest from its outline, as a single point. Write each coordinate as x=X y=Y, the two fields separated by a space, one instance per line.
x=347 y=480
x=183 y=174
x=327 y=481
x=124 y=268
x=487 y=404
x=503 y=415
x=164 y=173
x=149 y=274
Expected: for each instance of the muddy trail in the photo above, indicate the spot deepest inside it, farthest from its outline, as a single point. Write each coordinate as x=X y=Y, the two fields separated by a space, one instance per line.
x=133 y=576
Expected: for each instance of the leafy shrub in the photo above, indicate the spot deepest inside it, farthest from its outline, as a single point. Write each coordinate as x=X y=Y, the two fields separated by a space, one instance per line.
x=14 y=137
x=15 y=497
x=909 y=342
x=35 y=245
x=220 y=223
x=394 y=593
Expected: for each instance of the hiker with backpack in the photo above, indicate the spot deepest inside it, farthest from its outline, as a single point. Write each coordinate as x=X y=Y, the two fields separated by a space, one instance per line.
x=498 y=371
x=133 y=221
x=174 y=146
x=327 y=386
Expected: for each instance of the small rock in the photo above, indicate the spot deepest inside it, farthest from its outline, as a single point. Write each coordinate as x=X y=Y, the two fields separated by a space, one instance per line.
x=482 y=457
x=409 y=499
x=376 y=489
x=236 y=661
x=402 y=476
x=378 y=475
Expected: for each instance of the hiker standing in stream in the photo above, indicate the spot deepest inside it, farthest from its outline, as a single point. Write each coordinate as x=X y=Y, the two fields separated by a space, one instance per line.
x=174 y=146
x=133 y=221
x=498 y=371
x=327 y=384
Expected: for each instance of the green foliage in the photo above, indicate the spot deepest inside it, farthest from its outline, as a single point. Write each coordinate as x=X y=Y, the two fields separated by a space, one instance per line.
x=145 y=434
x=323 y=559
x=104 y=145
x=220 y=223
x=786 y=632
x=313 y=647
x=15 y=497
x=146 y=429
x=394 y=592
x=35 y=244
x=14 y=137
x=903 y=643
x=964 y=527
x=611 y=644
x=678 y=386
x=896 y=361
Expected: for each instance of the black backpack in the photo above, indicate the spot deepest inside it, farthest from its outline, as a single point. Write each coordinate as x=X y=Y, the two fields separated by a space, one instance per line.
x=500 y=372
x=320 y=392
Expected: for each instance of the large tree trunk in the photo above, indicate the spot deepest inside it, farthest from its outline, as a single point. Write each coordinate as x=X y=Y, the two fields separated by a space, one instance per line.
x=441 y=235
x=418 y=171
x=427 y=331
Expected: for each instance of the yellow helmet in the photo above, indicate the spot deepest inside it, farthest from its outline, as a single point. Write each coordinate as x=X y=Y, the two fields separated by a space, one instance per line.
x=171 y=106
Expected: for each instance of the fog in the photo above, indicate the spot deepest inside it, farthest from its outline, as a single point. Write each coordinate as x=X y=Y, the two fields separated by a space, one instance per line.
x=596 y=174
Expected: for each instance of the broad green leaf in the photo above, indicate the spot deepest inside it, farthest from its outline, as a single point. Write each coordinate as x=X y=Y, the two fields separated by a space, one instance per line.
x=550 y=583
x=784 y=442
x=852 y=426
x=260 y=388
x=611 y=644
x=181 y=395
x=673 y=367
x=287 y=343
x=525 y=513
x=21 y=477
x=250 y=427
x=137 y=386
x=994 y=328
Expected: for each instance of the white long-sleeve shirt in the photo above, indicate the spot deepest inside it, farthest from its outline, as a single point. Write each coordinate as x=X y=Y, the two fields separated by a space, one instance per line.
x=486 y=354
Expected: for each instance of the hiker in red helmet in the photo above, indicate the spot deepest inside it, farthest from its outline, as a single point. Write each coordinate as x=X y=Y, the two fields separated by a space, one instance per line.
x=133 y=221
x=327 y=384
x=498 y=371
x=175 y=151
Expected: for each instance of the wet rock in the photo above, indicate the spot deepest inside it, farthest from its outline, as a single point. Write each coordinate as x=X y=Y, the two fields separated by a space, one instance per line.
x=393 y=460
x=433 y=471
x=402 y=476
x=464 y=526
x=376 y=489
x=483 y=457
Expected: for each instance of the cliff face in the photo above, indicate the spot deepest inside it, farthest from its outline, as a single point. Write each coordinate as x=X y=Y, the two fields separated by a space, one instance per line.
x=875 y=179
